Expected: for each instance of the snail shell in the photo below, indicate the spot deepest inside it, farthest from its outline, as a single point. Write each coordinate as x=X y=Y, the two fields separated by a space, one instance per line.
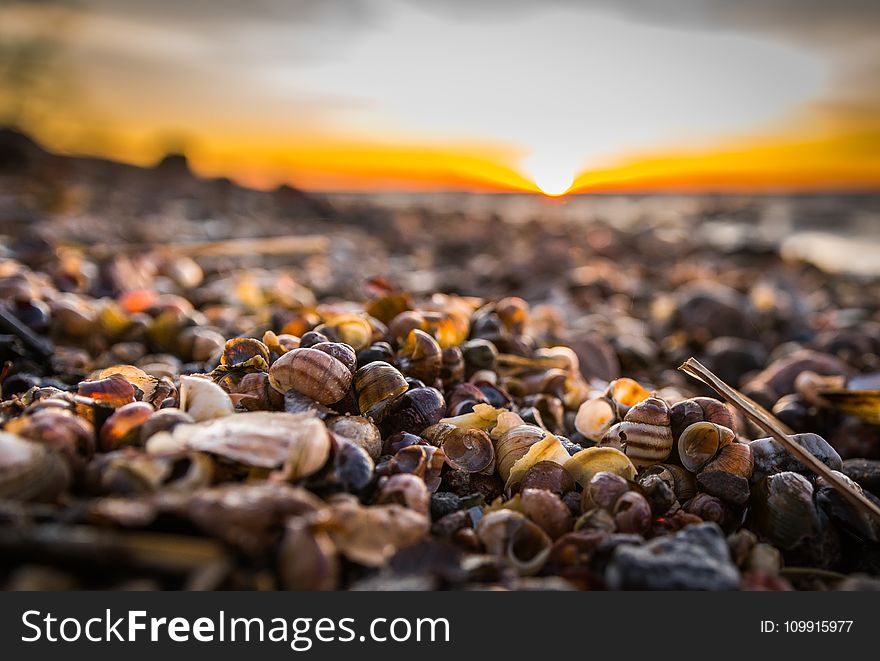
x=413 y=411
x=547 y=475
x=632 y=513
x=405 y=489
x=341 y=352
x=376 y=384
x=513 y=444
x=59 y=429
x=771 y=457
x=644 y=434
x=451 y=366
x=420 y=357
x=239 y=350
x=603 y=490
x=163 y=420
x=682 y=481
x=547 y=510
x=625 y=393
x=30 y=471
x=424 y=461
x=351 y=329
x=726 y=486
x=699 y=409
x=594 y=418
x=708 y=508
x=782 y=510
x=313 y=373
x=307 y=557
x=510 y=535
x=469 y=450
x=700 y=442
x=123 y=427
x=202 y=399
x=359 y=430
x=479 y=354
x=113 y=390
x=734 y=458
x=549 y=448
x=583 y=465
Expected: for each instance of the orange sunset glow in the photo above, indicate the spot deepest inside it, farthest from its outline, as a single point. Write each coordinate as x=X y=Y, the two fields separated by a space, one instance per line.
x=415 y=96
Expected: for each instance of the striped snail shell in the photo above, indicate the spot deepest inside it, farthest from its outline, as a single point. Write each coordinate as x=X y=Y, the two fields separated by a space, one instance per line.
x=644 y=434
x=311 y=372
x=513 y=444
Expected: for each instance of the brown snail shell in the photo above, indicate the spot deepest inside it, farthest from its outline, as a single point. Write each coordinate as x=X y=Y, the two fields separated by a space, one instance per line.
x=699 y=409
x=583 y=465
x=682 y=481
x=30 y=471
x=547 y=475
x=424 y=461
x=413 y=411
x=163 y=420
x=420 y=357
x=242 y=349
x=123 y=427
x=376 y=384
x=603 y=490
x=594 y=418
x=708 y=508
x=60 y=430
x=341 y=352
x=405 y=489
x=451 y=366
x=143 y=382
x=547 y=510
x=700 y=442
x=307 y=557
x=469 y=450
x=113 y=390
x=632 y=513
x=359 y=430
x=734 y=458
x=511 y=536
x=313 y=373
x=644 y=434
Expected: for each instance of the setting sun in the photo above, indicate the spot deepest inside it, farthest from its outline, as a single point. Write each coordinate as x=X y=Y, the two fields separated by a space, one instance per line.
x=554 y=184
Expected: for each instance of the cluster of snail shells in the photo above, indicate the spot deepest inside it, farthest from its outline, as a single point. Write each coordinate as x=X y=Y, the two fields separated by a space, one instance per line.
x=708 y=447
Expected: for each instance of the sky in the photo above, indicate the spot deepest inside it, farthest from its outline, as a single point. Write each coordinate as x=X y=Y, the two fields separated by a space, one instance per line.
x=484 y=95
